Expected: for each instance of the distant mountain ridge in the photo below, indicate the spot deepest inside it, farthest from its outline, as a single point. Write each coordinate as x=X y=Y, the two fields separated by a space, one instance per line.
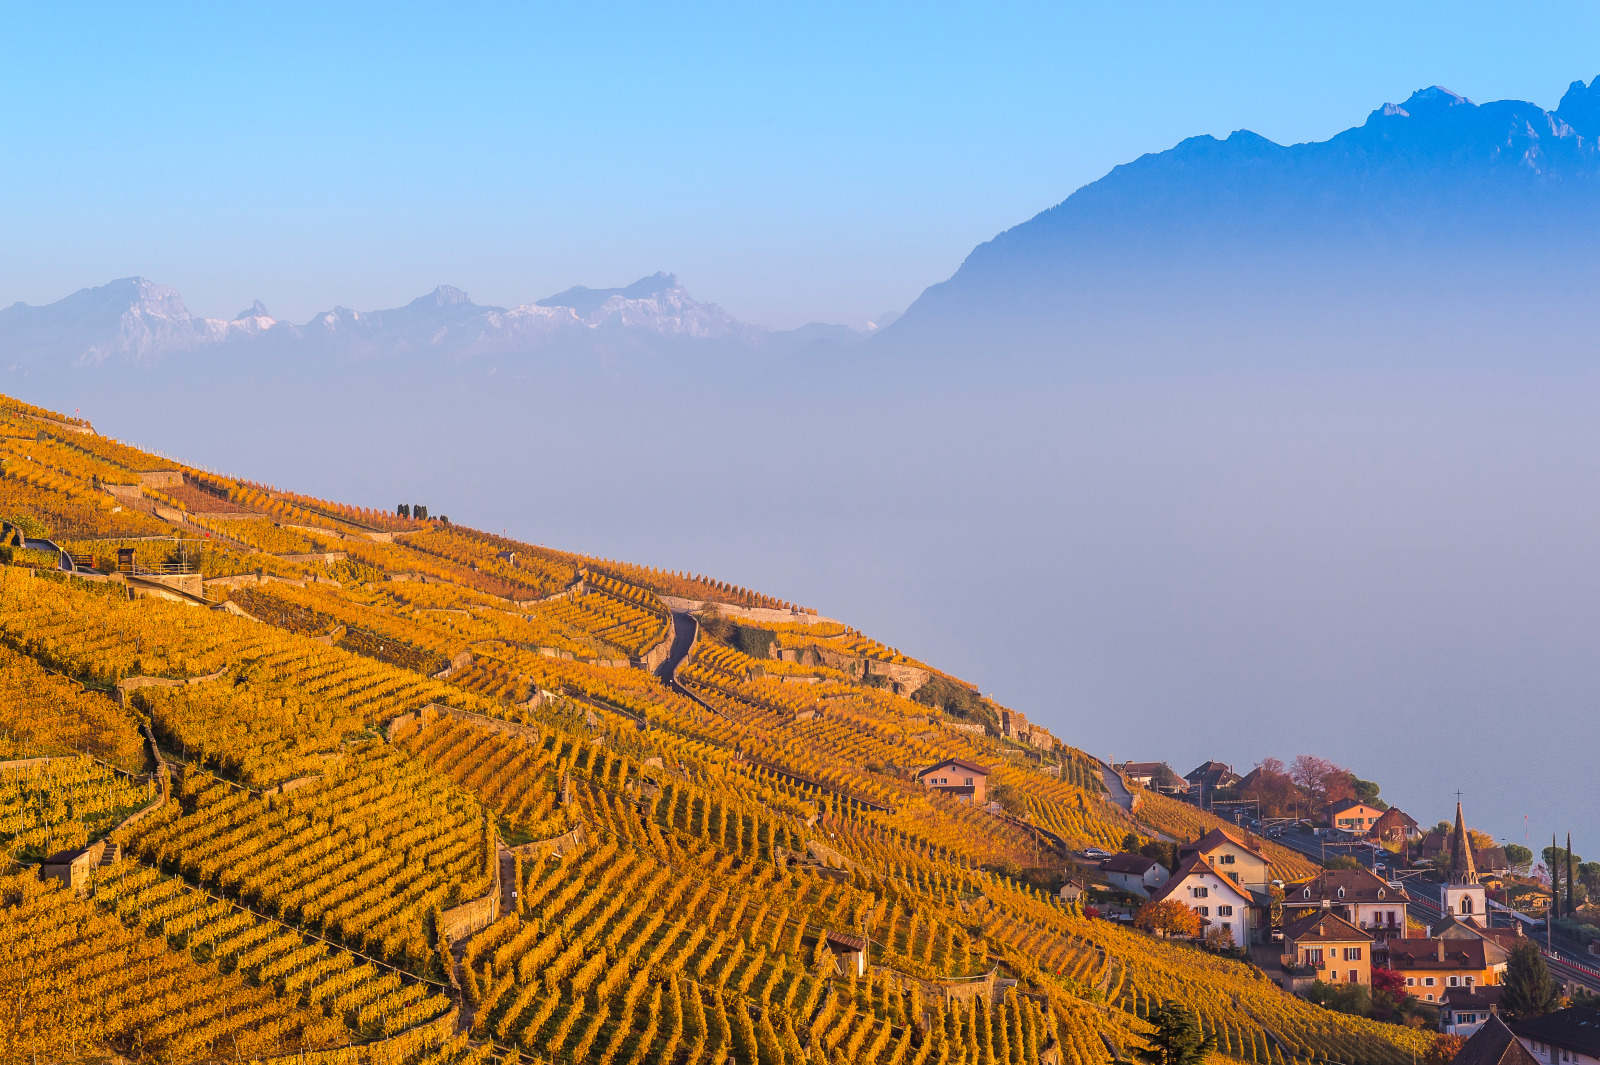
x=1436 y=206
x=138 y=321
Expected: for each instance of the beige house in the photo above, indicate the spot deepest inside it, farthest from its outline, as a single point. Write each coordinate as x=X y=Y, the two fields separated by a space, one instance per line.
x=1340 y=952
x=965 y=780
x=1232 y=856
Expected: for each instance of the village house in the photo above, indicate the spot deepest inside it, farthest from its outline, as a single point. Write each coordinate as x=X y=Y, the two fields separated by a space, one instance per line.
x=1433 y=966
x=1395 y=827
x=1464 y=1010
x=1233 y=855
x=1134 y=873
x=1208 y=778
x=1073 y=889
x=1156 y=776
x=1358 y=895
x=1340 y=952
x=1218 y=901
x=1565 y=1037
x=1352 y=816
x=965 y=780
x=1494 y=1044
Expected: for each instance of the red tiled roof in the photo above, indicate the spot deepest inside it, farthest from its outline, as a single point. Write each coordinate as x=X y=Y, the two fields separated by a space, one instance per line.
x=1457 y=954
x=1323 y=927
x=1216 y=838
x=1189 y=867
x=959 y=763
x=1359 y=885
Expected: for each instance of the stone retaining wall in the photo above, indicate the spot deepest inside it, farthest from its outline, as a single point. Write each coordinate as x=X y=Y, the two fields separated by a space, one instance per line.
x=470 y=917
x=401 y=726
x=770 y=615
x=391 y=1051
x=561 y=845
x=128 y=685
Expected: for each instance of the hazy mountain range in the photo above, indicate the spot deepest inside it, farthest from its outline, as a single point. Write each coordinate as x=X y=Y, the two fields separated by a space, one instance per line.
x=134 y=320
x=1436 y=211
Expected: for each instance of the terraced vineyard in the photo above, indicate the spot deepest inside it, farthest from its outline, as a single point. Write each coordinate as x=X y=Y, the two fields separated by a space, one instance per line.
x=421 y=803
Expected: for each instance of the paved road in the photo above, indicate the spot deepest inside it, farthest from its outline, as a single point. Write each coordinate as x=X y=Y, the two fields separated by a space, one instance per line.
x=684 y=627
x=1119 y=791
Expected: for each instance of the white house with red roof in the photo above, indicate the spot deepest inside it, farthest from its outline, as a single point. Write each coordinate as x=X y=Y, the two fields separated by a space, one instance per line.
x=1218 y=901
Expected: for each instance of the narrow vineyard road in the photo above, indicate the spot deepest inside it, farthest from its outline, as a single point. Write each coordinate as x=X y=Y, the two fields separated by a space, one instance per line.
x=1119 y=792
x=684 y=627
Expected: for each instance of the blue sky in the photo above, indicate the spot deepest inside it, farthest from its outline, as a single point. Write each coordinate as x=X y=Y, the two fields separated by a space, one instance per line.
x=811 y=162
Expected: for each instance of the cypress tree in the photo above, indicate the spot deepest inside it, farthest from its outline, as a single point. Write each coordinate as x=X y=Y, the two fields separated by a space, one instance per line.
x=1555 y=878
x=1571 y=908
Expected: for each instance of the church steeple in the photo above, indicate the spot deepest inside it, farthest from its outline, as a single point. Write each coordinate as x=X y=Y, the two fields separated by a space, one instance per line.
x=1463 y=870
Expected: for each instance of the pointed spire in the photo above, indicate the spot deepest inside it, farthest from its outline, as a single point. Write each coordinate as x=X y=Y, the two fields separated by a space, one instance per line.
x=1463 y=870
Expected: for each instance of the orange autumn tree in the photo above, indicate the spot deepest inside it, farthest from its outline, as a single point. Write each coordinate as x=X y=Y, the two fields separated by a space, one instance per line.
x=1168 y=918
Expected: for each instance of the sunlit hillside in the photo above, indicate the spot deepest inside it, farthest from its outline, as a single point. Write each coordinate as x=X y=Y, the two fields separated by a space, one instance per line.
x=326 y=776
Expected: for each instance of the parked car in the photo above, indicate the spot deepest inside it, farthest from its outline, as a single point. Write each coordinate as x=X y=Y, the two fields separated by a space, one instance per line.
x=1095 y=852
x=1277 y=935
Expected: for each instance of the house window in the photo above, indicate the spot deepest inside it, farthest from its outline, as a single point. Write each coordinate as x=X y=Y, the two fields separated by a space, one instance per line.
x=1428 y=982
x=1454 y=982
x=1352 y=953
x=969 y=781
x=1466 y=904
x=1227 y=859
x=1411 y=981
x=1203 y=911
x=1341 y=893
x=1430 y=998
x=1224 y=911
x=1201 y=892
x=1391 y=918
x=1467 y=980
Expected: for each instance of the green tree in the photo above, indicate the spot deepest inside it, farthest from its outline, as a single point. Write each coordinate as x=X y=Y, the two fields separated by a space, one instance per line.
x=1519 y=856
x=1164 y=851
x=1354 y=999
x=1177 y=1039
x=1367 y=792
x=1530 y=990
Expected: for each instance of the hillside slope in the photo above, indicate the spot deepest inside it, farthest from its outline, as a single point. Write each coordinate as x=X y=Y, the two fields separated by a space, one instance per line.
x=413 y=786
